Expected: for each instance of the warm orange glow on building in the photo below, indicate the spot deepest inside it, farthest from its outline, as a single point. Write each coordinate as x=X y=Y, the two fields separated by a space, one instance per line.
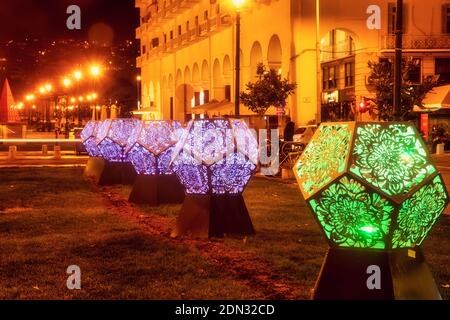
x=187 y=56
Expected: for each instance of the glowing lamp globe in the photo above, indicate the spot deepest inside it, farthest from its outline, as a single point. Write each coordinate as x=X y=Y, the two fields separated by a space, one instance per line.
x=151 y=145
x=372 y=188
x=89 y=138
x=113 y=136
x=214 y=160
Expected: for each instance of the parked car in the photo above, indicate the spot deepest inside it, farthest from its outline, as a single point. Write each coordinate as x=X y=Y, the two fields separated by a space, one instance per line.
x=304 y=134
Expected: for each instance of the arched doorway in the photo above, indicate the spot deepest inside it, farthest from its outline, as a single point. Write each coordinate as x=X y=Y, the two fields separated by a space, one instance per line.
x=158 y=99
x=196 y=77
x=274 y=53
x=151 y=94
x=179 y=98
x=145 y=100
x=227 y=76
x=219 y=93
x=171 y=93
x=256 y=57
x=165 y=111
x=205 y=81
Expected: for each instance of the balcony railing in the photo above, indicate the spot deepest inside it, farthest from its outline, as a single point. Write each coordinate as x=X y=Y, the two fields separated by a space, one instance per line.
x=214 y=24
x=166 y=9
x=426 y=42
x=139 y=33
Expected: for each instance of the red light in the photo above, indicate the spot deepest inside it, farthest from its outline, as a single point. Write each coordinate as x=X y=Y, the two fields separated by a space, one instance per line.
x=363 y=106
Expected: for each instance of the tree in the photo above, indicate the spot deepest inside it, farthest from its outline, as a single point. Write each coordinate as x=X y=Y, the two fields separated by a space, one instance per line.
x=412 y=94
x=268 y=90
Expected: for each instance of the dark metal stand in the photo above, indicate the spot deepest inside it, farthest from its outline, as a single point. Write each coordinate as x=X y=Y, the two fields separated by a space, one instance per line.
x=105 y=173
x=206 y=216
x=156 y=190
x=344 y=276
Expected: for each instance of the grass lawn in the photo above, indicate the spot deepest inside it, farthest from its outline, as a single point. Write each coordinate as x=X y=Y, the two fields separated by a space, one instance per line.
x=52 y=218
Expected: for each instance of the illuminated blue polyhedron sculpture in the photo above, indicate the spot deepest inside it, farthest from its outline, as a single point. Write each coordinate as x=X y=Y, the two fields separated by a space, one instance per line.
x=113 y=136
x=216 y=157
x=89 y=138
x=151 y=145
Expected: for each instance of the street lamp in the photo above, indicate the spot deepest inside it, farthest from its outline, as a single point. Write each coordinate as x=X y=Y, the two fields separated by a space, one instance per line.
x=95 y=71
x=29 y=98
x=318 y=66
x=48 y=87
x=67 y=83
x=44 y=90
x=238 y=5
x=398 y=59
x=138 y=86
x=78 y=75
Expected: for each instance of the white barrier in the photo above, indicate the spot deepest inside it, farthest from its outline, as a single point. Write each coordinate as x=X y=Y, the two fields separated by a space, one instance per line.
x=57 y=153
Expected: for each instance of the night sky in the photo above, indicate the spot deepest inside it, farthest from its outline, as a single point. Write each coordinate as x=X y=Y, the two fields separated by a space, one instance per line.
x=46 y=19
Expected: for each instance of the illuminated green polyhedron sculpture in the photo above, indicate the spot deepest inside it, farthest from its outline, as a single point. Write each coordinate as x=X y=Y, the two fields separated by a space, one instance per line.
x=371 y=185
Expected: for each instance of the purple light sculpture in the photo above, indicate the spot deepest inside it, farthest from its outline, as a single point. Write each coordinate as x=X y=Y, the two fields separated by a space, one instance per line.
x=151 y=145
x=111 y=139
x=113 y=136
x=89 y=138
x=214 y=160
x=150 y=149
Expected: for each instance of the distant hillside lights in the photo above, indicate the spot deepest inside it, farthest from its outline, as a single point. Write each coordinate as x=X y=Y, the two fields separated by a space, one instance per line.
x=74 y=20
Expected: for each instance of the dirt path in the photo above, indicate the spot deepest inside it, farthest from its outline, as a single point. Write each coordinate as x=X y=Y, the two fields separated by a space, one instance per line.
x=241 y=265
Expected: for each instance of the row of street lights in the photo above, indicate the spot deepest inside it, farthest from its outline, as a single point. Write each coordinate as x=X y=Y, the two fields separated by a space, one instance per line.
x=47 y=91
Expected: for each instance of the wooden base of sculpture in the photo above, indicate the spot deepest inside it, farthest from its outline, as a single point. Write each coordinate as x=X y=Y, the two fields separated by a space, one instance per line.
x=375 y=275
x=105 y=173
x=94 y=168
x=205 y=216
x=156 y=190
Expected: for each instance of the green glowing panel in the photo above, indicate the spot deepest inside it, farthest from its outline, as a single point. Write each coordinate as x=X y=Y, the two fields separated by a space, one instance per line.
x=391 y=158
x=418 y=214
x=371 y=185
x=352 y=216
x=325 y=158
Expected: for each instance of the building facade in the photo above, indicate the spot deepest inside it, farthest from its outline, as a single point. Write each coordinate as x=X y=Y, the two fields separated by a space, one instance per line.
x=188 y=51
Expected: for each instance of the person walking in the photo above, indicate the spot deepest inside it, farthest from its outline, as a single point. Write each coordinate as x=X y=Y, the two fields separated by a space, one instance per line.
x=289 y=132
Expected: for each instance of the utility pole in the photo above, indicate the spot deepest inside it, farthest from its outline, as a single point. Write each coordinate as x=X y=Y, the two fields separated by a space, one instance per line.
x=238 y=65
x=318 y=66
x=398 y=60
